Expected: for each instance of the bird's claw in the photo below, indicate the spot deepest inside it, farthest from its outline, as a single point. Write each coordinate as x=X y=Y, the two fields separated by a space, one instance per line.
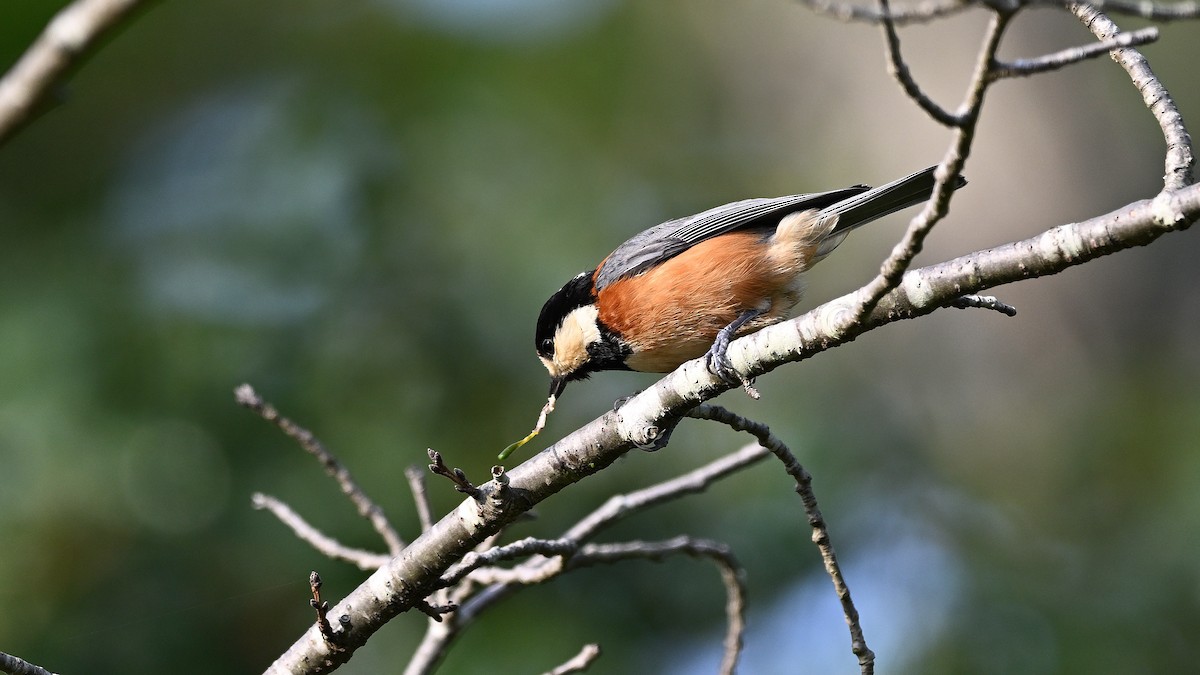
x=718 y=364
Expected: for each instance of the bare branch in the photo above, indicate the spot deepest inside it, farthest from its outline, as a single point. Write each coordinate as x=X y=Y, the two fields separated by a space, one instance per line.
x=731 y=577
x=692 y=482
x=926 y=11
x=433 y=646
x=820 y=535
x=927 y=289
x=905 y=251
x=1066 y=57
x=248 y=398
x=984 y=302
x=13 y=665
x=899 y=70
x=332 y=638
x=434 y=612
x=456 y=475
x=416 y=482
x=921 y=12
x=330 y=547
x=1156 y=11
x=581 y=661
x=504 y=582
x=69 y=36
x=1180 y=158
x=526 y=547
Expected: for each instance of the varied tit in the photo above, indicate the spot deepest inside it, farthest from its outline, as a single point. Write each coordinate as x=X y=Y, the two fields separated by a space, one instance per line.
x=685 y=288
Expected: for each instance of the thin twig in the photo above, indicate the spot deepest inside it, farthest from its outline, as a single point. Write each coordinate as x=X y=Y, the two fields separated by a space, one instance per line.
x=416 y=483
x=718 y=553
x=1066 y=57
x=892 y=270
x=928 y=10
x=322 y=609
x=519 y=549
x=434 y=612
x=899 y=70
x=14 y=665
x=579 y=663
x=455 y=475
x=616 y=508
x=1180 y=157
x=540 y=569
x=984 y=302
x=820 y=536
x=595 y=554
x=248 y=398
x=692 y=482
x=1155 y=11
x=69 y=37
x=921 y=12
x=433 y=646
x=328 y=546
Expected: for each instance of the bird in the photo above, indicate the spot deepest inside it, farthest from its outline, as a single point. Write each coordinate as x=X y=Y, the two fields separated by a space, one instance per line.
x=687 y=287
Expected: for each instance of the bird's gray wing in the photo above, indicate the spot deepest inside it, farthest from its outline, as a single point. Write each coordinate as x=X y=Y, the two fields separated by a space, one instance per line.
x=667 y=240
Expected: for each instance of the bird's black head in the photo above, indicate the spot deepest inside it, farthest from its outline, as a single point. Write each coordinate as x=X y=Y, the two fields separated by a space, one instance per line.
x=570 y=340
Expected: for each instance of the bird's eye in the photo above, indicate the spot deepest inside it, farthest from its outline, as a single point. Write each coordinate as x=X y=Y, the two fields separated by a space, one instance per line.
x=547 y=345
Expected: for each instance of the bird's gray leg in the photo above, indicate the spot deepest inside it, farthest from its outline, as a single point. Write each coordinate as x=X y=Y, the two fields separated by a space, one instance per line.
x=716 y=360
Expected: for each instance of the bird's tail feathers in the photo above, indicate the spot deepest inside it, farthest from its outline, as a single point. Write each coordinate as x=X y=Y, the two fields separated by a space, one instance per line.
x=878 y=202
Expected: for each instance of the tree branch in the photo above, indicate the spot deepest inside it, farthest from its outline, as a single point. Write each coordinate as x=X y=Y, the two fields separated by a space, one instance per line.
x=719 y=554
x=692 y=482
x=921 y=12
x=906 y=250
x=581 y=662
x=248 y=398
x=899 y=70
x=820 y=531
x=984 y=302
x=1066 y=57
x=1180 y=157
x=1156 y=11
x=416 y=483
x=323 y=543
x=69 y=36
x=13 y=665
x=926 y=11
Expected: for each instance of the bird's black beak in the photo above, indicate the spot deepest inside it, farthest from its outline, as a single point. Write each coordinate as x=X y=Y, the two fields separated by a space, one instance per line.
x=557 y=384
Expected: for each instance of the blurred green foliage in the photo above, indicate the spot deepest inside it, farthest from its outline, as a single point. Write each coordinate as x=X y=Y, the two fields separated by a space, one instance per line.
x=359 y=207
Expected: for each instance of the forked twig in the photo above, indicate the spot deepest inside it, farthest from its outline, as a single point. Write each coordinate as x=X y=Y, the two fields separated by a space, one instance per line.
x=921 y=12
x=323 y=543
x=820 y=536
x=1180 y=157
x=248 y=398
x=718 y=553
x=899 y=70
x=550 y=557
x=1070 y=56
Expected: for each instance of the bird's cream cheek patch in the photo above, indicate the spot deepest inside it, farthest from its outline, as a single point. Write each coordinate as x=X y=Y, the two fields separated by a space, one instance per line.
x=578 y=330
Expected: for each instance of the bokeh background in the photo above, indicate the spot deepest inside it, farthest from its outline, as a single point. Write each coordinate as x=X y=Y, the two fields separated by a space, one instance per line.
x=359 y=207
